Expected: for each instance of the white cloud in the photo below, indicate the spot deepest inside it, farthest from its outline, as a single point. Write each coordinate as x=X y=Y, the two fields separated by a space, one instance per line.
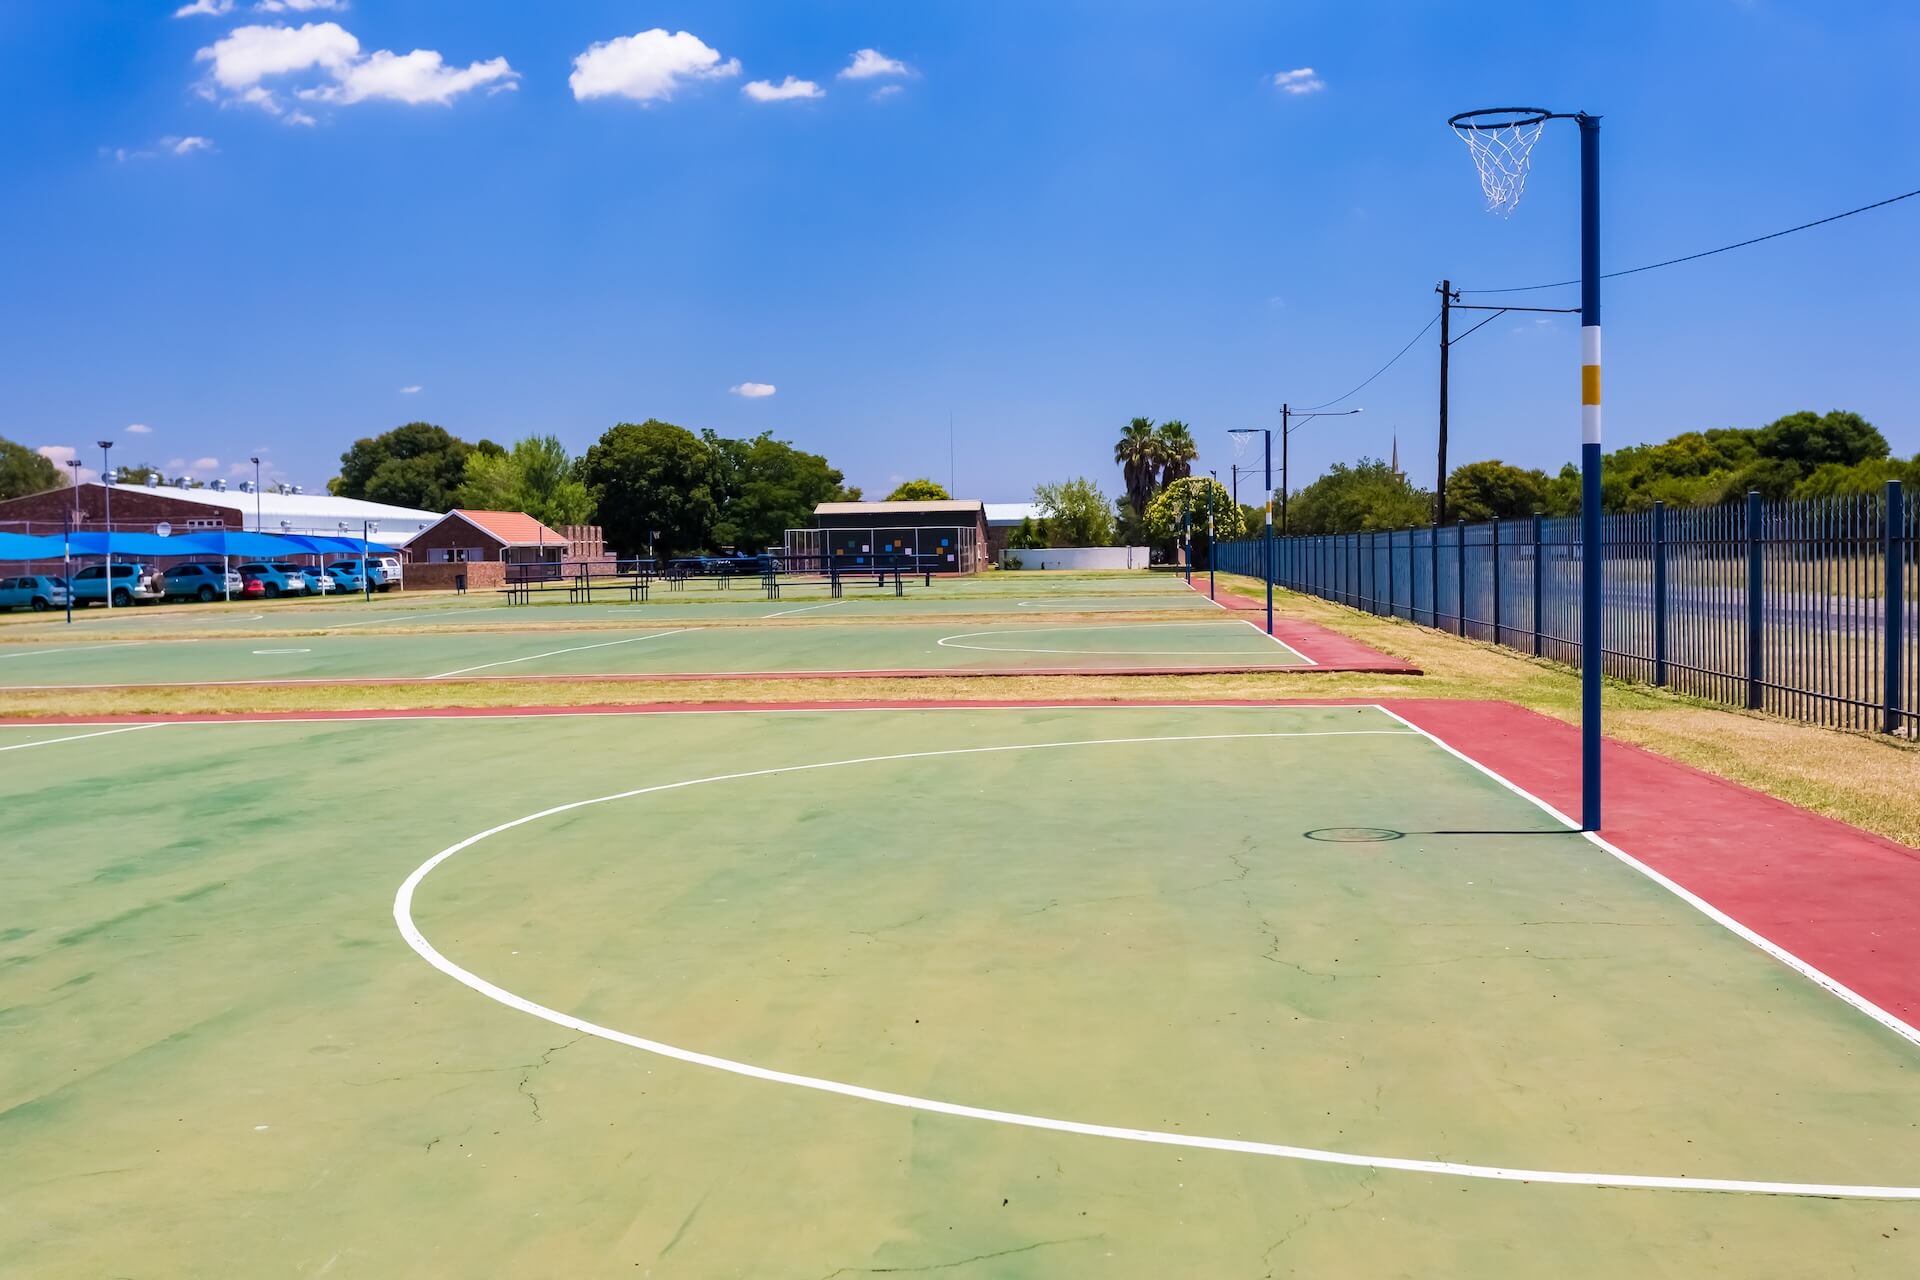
x=205 y=464
x=139 y=429
x=412 y=78
x=413 y=390
x=211 y=8
x=886 y=91
x=1298 y=81
x=247 y=55
x=647 y=66
x=786 y=91
x=328 y=56
x=869 y=64
x=60 y=455
x=296 y=6
x=753 y=390
x=170 y=145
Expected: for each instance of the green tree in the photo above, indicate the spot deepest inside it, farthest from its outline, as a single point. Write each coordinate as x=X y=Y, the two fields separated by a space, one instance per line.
x=1167 y=514
x=489 y=482
x=652 y=477
x=762 y=487
x=1176 y=449
x=1835 y=480
x=1486 y=490
x=1813 y=440
x=1137 y=453
x=551 y=490
x=922 y=490
x=1369 y=495
x=1075 y=513
x=137 y=473
x=22 y=471
x=417 y=465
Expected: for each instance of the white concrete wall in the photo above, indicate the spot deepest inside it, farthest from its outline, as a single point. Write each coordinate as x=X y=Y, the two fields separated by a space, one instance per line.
x=1079 y=557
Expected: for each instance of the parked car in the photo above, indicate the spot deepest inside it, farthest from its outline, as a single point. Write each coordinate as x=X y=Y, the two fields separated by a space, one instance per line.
x=319 y=581
x=132 y=584
x=38 y=593
x=280 y=578
x=202 y=582
x=346 y=577
x=382 y=571
x=253 y=589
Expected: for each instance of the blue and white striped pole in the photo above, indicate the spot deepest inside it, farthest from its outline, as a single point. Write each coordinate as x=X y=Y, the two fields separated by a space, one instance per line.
x=1592 y=655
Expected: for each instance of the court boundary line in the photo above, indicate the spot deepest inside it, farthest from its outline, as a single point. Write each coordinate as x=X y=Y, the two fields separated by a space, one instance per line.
x=48 y=742
x=945 y=642
x=1258 y=629
x=554 y=653
x=781 y=613
x=1831 y=985
x=417 y=941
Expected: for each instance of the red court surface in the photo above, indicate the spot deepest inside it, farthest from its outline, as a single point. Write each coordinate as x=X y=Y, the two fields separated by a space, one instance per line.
x=1332 y=650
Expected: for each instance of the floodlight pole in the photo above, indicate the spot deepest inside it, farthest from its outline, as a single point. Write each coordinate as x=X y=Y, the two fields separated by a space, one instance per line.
x=1214 y=477
x=1187 y=534
x=1592 y=655
x=106 y=509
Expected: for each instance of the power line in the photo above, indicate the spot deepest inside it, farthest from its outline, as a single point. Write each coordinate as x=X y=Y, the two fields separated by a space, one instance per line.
x=1708 y=253
x=1382 y=369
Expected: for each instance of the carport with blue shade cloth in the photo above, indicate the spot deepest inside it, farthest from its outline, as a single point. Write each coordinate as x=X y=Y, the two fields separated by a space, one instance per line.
x=265 y=546
x=21 y=546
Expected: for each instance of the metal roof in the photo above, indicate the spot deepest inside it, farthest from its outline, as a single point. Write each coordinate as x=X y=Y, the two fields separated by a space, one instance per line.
x=940 y=507
x=320 y=513
x=1012 y=512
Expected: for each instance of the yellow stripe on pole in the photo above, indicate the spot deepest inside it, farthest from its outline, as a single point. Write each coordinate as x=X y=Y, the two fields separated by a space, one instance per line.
x=1589 y=384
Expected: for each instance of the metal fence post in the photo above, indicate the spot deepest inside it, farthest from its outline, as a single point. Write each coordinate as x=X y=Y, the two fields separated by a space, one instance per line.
x=1756 y=601
x=1460 y=566
x=1659 y=595
x=1496 y=579
x=1393 y=586
x=1893 y=599
x=1433 y=572
x=1539 y=577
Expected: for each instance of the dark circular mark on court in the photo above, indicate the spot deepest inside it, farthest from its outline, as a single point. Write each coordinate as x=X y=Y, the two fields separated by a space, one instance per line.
x=1355 y=835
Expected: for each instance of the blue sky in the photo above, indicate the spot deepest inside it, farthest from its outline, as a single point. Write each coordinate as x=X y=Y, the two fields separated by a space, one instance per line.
x=1040 y=218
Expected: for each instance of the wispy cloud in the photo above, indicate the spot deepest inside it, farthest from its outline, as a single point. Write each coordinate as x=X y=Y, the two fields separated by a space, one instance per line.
x=413 y=390
x=139 y=429
x=869 y=64
x=204 y=8
x=323 y=62
x=788 y=90
x=886 y=91
x=172 y=145
x=753 y=390
x=218 y=8
x=647 y=66
x=1301 y=80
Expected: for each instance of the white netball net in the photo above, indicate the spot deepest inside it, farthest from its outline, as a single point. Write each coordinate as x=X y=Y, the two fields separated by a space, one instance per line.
x=1501 y=153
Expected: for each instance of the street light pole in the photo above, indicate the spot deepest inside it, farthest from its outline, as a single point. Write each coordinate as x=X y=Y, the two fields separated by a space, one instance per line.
x=106 y=507
x=1213 y=476
x=257 y=527
x=1286 y=434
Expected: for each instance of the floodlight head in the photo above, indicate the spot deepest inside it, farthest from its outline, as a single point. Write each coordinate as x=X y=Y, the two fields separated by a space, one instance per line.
x=104 y=444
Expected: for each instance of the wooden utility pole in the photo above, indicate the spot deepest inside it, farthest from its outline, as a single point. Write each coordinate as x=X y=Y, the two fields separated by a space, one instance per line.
x=1447 y=298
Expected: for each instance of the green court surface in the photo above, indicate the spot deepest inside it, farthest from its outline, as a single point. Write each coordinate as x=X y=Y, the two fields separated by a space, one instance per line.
x=1003 y=595
x=1015 y=645
x=981 y=992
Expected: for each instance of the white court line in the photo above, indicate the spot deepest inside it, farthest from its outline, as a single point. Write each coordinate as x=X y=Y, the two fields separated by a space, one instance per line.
x=374 y=622
x=554 y=653
x=1259 y=630
x=47 y=742
x=403 y=920
x=1831 y=985
x=808 y=609
x=952 y=642
x=82 y=648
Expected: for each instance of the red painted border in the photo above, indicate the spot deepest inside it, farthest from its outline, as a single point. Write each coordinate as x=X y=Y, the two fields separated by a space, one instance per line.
x=1334 y=651
x=1843 y=900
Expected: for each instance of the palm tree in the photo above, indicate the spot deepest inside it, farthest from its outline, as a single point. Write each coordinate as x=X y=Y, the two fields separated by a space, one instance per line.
x=1177 y=451
x=1138 y=453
